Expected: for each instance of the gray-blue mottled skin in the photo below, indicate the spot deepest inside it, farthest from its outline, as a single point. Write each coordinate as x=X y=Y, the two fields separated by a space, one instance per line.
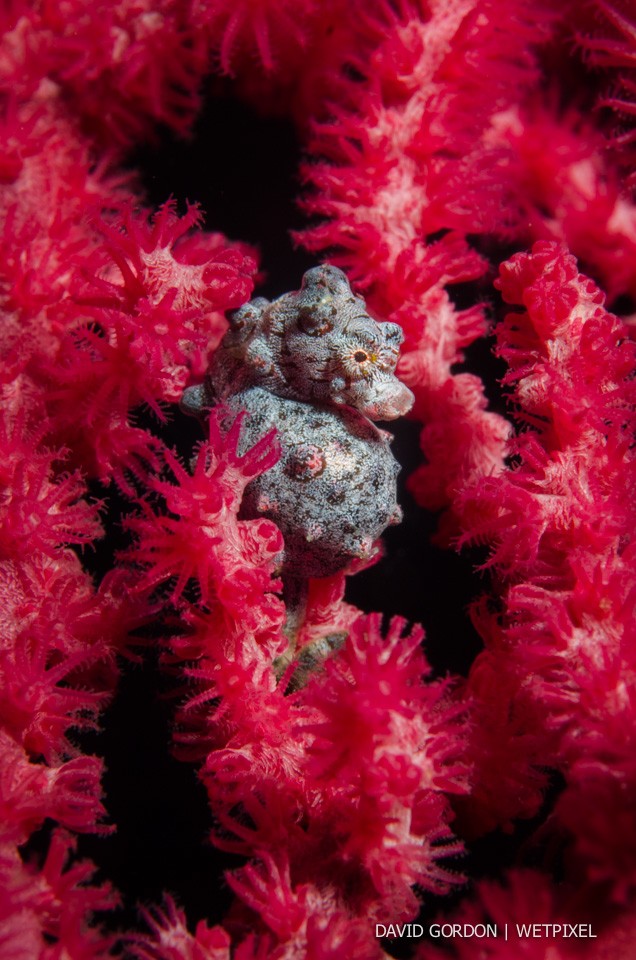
x=316 y=366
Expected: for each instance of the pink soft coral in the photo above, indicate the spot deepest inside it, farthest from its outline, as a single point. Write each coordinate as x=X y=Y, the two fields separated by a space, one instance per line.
x=610 y=42
x=529 y=897
x=385 y=742
x=43 y=913
x=362 y=756
x=120 y=66
x=433 y=140
x=150 y=314
x=559 y=526
x=396 y=172
x=200 y=537
x=170 y=940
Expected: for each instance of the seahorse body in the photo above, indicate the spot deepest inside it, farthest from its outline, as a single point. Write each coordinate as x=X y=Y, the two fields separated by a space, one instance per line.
x=315 y=365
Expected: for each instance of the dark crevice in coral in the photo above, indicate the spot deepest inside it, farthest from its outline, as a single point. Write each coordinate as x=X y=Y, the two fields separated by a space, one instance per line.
x=33 y=852
x=418 y=580
x=162 y=843
x=102 y=554
x=480 y=359
x=486 y=857
x=521 y=847
x=181 y=434
x=623 y=306
x=243 y=170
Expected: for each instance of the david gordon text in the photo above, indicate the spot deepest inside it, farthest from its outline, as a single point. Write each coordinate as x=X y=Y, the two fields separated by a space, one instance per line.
x=521 y=931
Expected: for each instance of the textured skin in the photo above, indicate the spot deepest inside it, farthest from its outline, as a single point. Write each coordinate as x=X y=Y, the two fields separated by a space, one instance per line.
x=316 y=366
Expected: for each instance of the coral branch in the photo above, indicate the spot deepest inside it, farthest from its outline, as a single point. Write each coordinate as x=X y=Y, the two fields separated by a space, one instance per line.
x=559 y=526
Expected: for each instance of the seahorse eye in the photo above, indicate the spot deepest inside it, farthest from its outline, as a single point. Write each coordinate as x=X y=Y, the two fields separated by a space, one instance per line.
x=360 y=356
